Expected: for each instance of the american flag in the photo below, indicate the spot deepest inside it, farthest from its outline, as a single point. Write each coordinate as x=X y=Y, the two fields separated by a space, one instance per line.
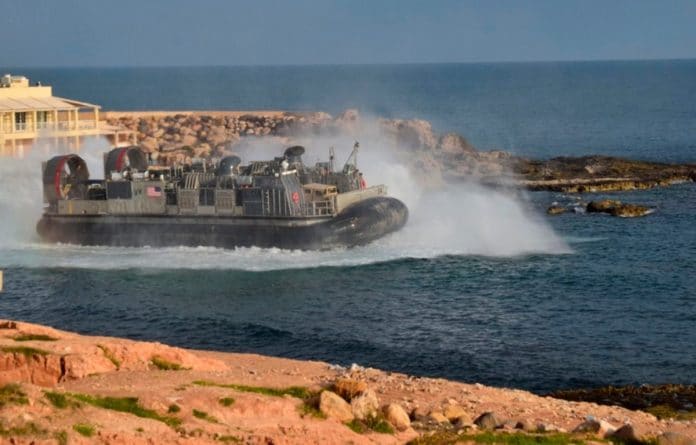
x=154 y=192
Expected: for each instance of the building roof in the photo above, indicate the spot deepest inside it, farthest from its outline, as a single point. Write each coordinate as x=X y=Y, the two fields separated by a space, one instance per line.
x=42 y=104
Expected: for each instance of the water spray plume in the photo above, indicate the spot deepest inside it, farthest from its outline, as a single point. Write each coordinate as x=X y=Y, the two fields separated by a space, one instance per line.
x=452 y=219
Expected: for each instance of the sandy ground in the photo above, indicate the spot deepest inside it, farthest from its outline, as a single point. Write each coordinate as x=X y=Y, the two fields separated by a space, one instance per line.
x=112 y=367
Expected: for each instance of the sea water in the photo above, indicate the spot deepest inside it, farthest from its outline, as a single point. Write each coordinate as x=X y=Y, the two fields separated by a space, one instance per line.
x=480 y=286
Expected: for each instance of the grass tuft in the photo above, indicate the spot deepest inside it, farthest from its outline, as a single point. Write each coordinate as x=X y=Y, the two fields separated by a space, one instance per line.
x=310 y=407
x=59 y=400
x=668 y=412
x=376 y=423
x=110 y=355
x=357 y=426
x=294 y=391
x=451 y=438
x=61 y=437
x=125 y=405
x=23 y=350
x=173 y=408
x=28 y=429
x=34 y=337
x=204 y=416
x=229 y=439
x=165 y=365
x=84 y=429
x=226 y=401
x=12 y=394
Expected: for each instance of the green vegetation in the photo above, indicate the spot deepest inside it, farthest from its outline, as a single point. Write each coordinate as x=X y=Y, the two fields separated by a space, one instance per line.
x=34 y=337
x=173 y=408
x=451 y=438
x=125 y=405
x=110 y=355
x=58 y=400
x=229 y=439
x=294 y=391
x=61 y=437
x=309 y=398
x=226 y=401
x=310 y=407
x=12 y=394
x=24 y=350
x=668 y=412
x=204 y=416
x=165 y=365
x=84 y=429
x=28 y=429
x=376 y=423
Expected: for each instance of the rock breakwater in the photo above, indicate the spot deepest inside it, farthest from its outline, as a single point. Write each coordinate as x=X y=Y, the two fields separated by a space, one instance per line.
x=181 y=136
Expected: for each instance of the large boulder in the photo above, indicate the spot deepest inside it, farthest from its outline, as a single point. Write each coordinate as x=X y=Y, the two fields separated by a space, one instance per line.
x=617 y=208
x=628 y=434
x=349 y=115
x=603 y=206
x=149 y=144
x=396 y=415
x=670 y=438
x=598 y=427
x=629 y=211
x=455 y=144
x=453 y=411
x=412 y=134
x=189 y=140
x=556 y=210
x=334 y=407
x=437 y=417
x=488 y=421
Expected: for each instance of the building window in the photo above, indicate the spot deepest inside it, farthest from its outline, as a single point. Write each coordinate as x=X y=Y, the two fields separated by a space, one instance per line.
x=42 y=118
x=20 y=121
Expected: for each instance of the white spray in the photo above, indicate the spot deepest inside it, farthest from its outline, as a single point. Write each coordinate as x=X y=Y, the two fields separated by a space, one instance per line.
x=462 y=219
x=21 y=191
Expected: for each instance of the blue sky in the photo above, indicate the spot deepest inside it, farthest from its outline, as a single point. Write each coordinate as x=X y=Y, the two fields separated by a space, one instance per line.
x=268 y=32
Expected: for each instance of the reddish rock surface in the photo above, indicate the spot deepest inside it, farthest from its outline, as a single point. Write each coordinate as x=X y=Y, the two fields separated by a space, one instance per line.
x=77 y=366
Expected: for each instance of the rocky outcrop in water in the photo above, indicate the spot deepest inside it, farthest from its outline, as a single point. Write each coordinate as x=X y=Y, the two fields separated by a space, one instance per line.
x=179 y=137
x=617 y=208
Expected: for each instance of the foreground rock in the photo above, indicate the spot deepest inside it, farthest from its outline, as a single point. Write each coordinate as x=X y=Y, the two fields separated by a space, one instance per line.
x=121 y=392
x=334 y=407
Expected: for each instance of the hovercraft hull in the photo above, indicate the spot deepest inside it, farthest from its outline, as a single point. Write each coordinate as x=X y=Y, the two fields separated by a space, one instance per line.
x=360 y=223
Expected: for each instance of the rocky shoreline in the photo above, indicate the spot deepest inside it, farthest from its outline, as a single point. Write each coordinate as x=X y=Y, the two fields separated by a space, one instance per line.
x=61 y=387
x=180 y=136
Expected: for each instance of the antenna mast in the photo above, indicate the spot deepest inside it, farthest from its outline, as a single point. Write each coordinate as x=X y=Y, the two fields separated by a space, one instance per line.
x=352 y=160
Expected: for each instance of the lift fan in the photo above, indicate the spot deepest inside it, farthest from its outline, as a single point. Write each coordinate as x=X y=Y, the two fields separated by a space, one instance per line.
x=227 y=165
x=294 y=154
x=65 y=177
x=124 y=158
